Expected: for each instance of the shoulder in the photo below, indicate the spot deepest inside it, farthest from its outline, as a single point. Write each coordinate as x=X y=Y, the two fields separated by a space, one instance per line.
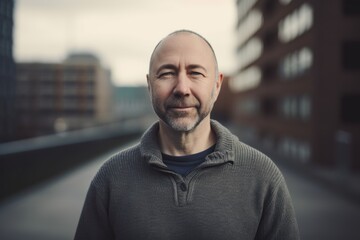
x=256 y=163
x=244 y=157
x=260 y=172
x=123 y=158
x=118 y=165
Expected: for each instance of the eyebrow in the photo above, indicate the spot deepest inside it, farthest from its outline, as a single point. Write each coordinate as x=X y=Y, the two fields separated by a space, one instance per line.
x=173 y=67
x=194 y=66
x=166 y=66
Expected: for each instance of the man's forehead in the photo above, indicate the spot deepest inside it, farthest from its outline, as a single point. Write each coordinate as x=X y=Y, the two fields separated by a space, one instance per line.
x=180 y=43
x=180 y=40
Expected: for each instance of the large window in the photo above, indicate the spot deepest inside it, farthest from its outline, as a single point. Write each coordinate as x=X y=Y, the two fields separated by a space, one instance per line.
x=246 y=79
x=295 y=149
x=249 y=26
x=296 y=107
x=249 y=52
x=296 y=63
x=296 y=23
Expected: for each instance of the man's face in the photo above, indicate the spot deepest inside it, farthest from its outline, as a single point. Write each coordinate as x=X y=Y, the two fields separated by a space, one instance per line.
x=182 y=81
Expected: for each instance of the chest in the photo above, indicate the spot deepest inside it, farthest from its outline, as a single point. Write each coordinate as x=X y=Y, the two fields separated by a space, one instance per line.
x=208 y=205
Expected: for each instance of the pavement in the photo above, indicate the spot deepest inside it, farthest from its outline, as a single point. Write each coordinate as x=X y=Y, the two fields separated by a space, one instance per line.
x=322 y=211
x=51 y=210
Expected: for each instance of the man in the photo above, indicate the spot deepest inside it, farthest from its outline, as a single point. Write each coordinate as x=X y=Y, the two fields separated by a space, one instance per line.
x=189 y=177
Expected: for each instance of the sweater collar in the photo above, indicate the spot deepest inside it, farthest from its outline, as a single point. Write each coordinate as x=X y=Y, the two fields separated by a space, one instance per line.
x=224 y=149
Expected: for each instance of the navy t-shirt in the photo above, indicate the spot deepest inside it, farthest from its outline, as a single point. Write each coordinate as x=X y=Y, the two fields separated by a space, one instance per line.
x=185 y=164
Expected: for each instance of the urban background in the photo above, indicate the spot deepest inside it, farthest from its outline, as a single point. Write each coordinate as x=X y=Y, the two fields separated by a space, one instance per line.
x=293 y=93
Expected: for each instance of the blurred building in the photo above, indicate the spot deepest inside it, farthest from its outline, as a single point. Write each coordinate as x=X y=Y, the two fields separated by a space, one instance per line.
x=57 y=97
x=297 y=85
x=223 y=105
x=132 y=102
x=7 y=71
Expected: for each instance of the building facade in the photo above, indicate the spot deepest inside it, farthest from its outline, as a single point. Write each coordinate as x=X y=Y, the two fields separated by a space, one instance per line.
x=223 y=105
x=7 y=71
x=57 y=97
x=297 y=86
x=132 y=102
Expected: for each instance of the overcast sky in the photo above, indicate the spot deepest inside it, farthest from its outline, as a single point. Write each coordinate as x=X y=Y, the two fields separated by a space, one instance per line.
x=122 y=33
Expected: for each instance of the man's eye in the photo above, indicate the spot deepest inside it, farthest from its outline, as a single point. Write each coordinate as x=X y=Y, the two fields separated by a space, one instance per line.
x=194 y=73
x=166 y=74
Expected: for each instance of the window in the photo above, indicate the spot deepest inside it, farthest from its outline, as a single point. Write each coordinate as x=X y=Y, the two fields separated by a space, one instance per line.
x=70 y=104
x=350 y=55
x=296 y=63
x=246 y=79
x=90 y=74
x=285 y=1
x=304 y=107
x=249 y=26
x=293 y=107
x=296 y=23
x=71 y=74
x=350 y=108
x=46 y=104
x=304 y=152
x=351 y=7
x=249 y=52
x=295 y=149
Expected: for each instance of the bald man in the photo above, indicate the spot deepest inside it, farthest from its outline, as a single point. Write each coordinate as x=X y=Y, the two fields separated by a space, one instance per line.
x=188 y=177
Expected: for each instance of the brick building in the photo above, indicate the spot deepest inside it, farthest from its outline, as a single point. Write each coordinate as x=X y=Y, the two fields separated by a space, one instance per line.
x=297 y=86
x=7 y=71
x=62 y=96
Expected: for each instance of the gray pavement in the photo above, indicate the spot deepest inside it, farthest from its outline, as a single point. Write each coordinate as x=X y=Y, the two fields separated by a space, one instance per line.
x=51 y=211
x=321 y=212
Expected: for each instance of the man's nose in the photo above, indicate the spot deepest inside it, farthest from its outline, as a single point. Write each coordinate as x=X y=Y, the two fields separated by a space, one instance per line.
x=182 y=85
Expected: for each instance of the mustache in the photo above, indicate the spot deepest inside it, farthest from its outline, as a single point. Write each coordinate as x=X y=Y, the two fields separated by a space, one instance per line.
x=181 y=103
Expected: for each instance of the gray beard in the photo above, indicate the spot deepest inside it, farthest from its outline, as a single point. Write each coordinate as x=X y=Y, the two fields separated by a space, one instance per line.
x=182 y=127
x=175 y=122
x=173 y=119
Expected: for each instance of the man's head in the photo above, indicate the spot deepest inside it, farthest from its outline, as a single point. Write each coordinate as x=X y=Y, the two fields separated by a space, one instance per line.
x=183 y=80
x=189 y=32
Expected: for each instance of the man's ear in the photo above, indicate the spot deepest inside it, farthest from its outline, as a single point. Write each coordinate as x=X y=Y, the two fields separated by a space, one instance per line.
x=148 y=84
x=148 y=81
x=218 y=83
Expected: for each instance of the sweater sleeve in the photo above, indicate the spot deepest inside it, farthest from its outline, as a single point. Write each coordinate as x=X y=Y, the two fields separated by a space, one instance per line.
x=278 y=219
x=94 y=221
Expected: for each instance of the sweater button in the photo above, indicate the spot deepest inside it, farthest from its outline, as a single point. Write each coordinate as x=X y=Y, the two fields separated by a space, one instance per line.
x=183 y=187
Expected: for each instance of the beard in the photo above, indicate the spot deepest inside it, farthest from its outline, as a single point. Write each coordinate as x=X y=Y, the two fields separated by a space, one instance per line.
x=181 y=120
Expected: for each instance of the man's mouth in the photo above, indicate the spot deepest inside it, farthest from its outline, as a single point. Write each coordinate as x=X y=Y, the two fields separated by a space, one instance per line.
x=181 y=107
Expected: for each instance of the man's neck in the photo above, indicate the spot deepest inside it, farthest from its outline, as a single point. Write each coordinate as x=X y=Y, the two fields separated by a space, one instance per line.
x=177 y=143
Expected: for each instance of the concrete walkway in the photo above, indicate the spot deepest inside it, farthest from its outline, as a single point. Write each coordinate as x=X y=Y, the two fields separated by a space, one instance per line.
x=51 y=211
x=321 y=212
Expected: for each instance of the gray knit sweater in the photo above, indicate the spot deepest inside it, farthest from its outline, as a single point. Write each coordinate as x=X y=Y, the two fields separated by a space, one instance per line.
x=237 y=193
